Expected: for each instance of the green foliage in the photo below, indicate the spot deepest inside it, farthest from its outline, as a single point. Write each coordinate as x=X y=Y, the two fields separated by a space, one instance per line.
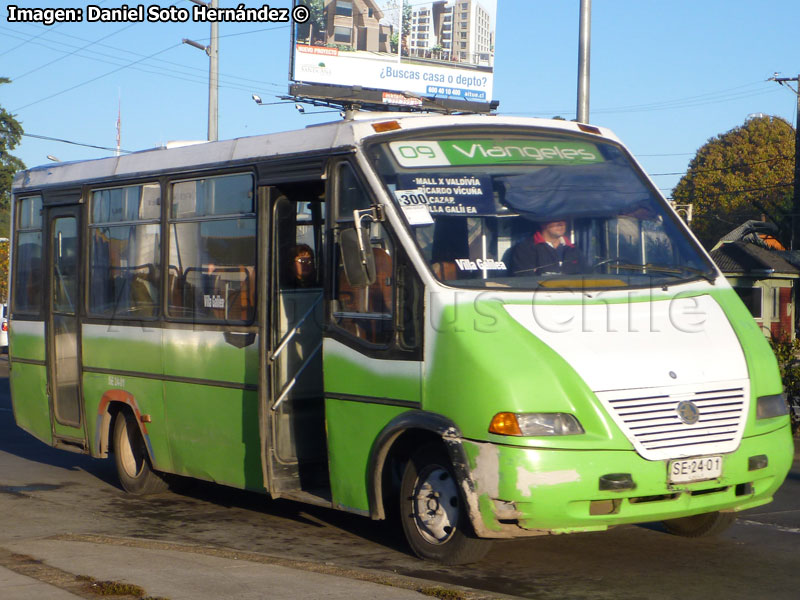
x=10 y=136
x=392 y=12
x=442 y=593
x=3 y=271
x=740 y=175
x=115 y=588
x=788 y=354
x=310 y=30
x=5 y=222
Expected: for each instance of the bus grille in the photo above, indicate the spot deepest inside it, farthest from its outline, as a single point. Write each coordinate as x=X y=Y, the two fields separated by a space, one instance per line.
x=650 y=419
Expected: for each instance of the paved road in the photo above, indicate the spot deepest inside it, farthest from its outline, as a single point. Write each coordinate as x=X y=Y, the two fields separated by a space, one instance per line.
x=46 y=493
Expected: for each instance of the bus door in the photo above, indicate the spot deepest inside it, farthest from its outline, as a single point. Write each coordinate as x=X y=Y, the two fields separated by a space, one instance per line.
x=295 y=447
x=62 y=326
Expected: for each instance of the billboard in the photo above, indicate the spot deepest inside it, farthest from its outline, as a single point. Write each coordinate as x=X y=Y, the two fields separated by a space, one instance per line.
x=408 y=51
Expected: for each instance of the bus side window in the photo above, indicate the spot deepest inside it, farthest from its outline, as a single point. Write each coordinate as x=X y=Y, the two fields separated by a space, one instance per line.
x=365 y=311
x=211 y=274
x=28 y=275
x=125 y=251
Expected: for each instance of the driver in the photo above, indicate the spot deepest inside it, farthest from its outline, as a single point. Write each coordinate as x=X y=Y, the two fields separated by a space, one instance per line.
x=548 y=251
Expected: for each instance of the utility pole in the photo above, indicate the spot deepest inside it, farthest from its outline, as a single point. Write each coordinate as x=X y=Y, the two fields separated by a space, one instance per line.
x=584 y=43
x=795 y=239
x=212 y=50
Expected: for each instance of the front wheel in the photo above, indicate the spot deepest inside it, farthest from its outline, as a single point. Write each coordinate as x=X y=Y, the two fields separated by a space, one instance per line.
x=704 y=525
x=433 y=513
x=135 y=472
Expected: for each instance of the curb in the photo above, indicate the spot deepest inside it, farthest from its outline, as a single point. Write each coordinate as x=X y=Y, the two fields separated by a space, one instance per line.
x=422 y=586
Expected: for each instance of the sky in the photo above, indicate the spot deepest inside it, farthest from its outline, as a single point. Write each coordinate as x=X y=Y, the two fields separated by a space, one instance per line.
x=665 y=76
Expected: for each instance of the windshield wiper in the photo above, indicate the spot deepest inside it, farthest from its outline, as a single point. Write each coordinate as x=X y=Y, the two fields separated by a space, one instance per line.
x=676 y=270
x=704 y=274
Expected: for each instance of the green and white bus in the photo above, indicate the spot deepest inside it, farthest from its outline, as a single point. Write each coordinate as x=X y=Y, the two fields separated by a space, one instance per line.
x=349 y=316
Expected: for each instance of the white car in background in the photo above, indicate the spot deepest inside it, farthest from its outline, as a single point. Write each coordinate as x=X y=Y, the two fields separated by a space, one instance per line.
x=4 y=329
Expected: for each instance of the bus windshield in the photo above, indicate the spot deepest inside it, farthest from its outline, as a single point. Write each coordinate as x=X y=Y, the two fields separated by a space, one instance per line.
x=535 y=210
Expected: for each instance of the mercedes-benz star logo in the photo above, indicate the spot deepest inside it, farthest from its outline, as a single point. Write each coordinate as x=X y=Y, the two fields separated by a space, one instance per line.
x=688 y=412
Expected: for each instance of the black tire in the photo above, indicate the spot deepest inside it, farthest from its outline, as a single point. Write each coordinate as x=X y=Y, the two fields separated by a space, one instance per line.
x=433 y=513
x=136 y=474
x=704 y=525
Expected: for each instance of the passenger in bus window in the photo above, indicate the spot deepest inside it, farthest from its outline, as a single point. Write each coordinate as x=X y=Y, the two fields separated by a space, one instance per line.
x=303 y=271
x=548 y=251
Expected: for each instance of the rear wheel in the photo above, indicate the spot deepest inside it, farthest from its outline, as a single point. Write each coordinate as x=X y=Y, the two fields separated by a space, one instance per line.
x=135 y=472
x=704 y=525
x=433 y=513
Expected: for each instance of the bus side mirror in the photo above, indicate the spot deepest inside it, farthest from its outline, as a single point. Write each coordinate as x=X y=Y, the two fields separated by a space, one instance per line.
x=357 y=257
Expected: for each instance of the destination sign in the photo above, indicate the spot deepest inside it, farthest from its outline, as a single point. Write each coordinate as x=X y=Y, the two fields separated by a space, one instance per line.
x=411 y=153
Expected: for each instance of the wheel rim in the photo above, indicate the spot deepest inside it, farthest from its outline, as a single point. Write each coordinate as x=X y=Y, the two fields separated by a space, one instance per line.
x=130 y=459
x=436 y=505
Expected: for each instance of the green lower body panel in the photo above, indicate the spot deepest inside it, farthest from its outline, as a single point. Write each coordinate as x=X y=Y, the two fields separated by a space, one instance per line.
x=144 y=396
x=352 y=430
x=214 y=434
x=29 y=396
x=524 y=491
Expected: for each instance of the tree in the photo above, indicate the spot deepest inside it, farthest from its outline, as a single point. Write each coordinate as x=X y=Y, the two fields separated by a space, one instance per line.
x=10 y=136
x=310 y=30
x=4 y=271
x=396 y=11
x=739 y=175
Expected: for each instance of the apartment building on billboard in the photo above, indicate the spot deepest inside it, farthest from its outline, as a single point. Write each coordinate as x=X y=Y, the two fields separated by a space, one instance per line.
x=356 y=24
x=452 y=30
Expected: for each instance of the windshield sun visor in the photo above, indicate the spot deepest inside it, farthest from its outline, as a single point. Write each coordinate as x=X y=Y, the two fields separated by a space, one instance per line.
x=576 y=192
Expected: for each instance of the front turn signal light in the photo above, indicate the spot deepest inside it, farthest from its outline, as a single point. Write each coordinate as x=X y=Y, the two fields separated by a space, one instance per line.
x=771 y=406
x=505 y=423
x=535 y=424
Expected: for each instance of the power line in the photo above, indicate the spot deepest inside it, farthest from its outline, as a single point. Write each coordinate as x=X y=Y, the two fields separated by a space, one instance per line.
x=687 y=102
x=673 y=154
x=183 y=75
x=45 y=31
x=747 y=190
x=728 y=168
x=52 y=139
x=166 y=62
x=77 y=85
x=185 y=72
x=18 y=77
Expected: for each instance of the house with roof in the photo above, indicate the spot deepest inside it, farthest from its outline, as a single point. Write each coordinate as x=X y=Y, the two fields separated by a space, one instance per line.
x=761 y=275
x=356 y=24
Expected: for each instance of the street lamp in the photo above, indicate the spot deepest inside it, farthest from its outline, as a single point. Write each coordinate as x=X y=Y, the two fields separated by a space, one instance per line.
x=212 y=50
x=257 y=99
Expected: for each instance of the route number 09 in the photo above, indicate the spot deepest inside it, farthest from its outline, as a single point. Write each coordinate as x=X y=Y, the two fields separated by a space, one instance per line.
x=417 y=151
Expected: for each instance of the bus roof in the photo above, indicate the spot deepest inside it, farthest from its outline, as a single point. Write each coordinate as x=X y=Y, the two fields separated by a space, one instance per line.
x=314 y=139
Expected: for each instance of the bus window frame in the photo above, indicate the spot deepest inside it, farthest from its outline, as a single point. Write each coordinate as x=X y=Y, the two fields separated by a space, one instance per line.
x=13 y=309
x=393 y=349
x=86 y=227
x=168 y=184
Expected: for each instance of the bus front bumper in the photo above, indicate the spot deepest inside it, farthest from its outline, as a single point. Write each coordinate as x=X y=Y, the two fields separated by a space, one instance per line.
x=513 y=491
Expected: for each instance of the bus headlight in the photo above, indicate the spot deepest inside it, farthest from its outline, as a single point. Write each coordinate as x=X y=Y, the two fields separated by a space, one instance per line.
x=534 y=424
x=771 y=406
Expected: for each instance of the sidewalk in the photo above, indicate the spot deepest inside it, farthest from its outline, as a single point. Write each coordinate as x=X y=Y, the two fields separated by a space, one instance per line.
x=59 y=568
x=18 y=587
